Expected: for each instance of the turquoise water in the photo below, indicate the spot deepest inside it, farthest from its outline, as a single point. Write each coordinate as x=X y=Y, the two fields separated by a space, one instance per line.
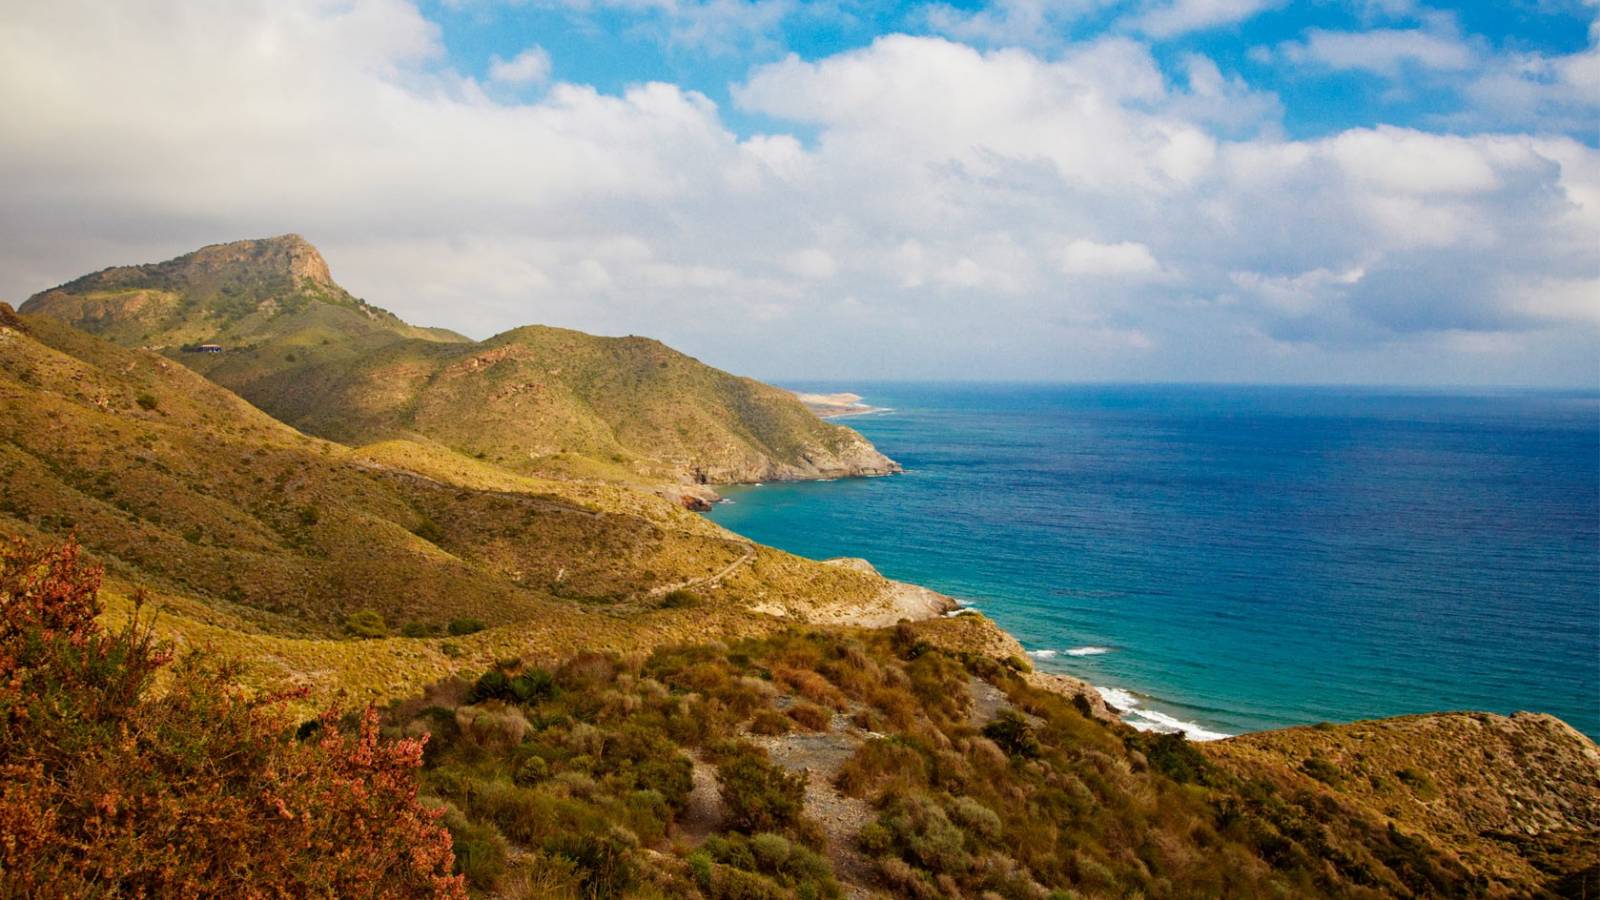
x=1228 y=559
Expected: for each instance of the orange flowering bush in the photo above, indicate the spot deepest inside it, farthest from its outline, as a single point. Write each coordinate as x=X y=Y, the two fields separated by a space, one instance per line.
x=110 y=787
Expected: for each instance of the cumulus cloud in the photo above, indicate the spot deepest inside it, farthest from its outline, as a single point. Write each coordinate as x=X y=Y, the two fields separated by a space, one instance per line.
x=531 y=66
x=916 y=207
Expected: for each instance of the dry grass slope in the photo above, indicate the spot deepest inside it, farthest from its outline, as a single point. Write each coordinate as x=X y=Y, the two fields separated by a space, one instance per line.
x=264 y=542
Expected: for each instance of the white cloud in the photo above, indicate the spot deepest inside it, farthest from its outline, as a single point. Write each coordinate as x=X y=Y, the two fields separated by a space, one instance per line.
x=1382 y=51
x=1011 y=22
x=941 y=190
x=1126 y=258
x=713 y=26
x=531 y=66
x=1175 y=17
x=814 y=263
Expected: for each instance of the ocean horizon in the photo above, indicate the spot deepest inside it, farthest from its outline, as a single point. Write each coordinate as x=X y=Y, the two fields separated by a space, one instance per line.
x=1221 y=558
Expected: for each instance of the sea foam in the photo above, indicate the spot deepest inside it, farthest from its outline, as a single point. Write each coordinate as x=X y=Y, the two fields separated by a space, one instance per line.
x=1088 y=651
x=1155 y=720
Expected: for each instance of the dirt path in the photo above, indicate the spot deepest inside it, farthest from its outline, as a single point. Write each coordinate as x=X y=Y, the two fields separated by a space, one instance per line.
x=713 y=579
x=821 y=756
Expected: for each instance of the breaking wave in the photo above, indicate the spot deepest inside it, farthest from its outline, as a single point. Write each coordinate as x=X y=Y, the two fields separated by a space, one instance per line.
x=1155 y=720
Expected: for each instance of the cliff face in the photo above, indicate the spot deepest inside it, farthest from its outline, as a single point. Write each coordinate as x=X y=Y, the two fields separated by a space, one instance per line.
x=534 y=400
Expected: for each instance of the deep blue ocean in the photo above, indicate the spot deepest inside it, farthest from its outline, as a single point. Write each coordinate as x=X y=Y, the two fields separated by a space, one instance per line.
x=1229 y=559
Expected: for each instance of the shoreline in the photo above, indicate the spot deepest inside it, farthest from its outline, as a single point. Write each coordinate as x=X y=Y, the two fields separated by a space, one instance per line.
x=840 y=405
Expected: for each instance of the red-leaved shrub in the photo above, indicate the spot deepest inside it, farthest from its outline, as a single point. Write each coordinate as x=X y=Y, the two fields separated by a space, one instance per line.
x=109 y=787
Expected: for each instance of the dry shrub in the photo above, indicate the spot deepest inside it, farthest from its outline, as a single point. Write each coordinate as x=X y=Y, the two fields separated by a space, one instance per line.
x=809 y=685
x=770 y=722
x=811 y=716
x=493 y=724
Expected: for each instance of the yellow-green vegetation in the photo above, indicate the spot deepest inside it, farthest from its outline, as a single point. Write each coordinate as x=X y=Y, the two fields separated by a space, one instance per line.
x=345 y=568
x=533 y=400
x=811 y=763
x=1517 y=798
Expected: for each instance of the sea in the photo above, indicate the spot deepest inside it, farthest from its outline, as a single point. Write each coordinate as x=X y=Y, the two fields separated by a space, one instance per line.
x=1225 y=559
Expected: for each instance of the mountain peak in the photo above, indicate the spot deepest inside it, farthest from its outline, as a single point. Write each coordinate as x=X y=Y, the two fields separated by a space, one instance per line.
x=288 y=254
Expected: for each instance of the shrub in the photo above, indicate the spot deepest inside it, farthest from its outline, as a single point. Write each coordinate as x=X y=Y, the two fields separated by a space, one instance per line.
x=418 y=630
x=531 y=686
x=759 y=795
x=459 y=627
x=1321 y=769
x=366 y=623
x=479 y=847
x=1012 y=733
x=924 y=835
x=1173 y=756
x=1419 y=782
x=976 y=819
x=680 y=599
x=769 y=721
x=198 y=791
x=147 y=402
x=811 y=716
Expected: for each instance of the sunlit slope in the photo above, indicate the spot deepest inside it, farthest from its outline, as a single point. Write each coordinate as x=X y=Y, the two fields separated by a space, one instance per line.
x=244 y=525
x=534 y=399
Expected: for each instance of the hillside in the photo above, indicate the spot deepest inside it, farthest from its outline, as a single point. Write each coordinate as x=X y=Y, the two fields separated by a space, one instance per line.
x=853 y=763
x=534 y=400
x=264 y=541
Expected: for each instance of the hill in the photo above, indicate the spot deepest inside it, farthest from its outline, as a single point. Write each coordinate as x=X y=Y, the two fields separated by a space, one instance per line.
x=535 y=400
x=288 y=549
x=895 y=762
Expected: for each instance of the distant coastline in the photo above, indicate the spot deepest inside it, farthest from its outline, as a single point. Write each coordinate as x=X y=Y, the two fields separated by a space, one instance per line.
x=837 y=405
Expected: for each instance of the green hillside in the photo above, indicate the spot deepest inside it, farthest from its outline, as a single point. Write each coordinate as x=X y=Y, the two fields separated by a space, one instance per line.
x=258 y=538
x=534 y=400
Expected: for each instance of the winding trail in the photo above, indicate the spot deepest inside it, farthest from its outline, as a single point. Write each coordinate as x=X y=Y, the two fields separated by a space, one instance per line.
x=712 y=579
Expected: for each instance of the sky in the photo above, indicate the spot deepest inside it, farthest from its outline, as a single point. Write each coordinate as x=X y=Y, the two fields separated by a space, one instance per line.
x=1333 y=191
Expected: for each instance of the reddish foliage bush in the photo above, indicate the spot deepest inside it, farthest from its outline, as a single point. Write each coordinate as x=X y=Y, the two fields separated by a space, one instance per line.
x=108 y=787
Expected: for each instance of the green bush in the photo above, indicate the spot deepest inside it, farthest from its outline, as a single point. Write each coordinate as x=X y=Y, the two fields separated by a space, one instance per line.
x=1321 y=769
x=924 y=835
x=531 y=686
x=479 y=847
x=366 y=623
x=464 y=626
x=147 y=402
x=1173 y=756
x=759 y=795
x=1012 y=733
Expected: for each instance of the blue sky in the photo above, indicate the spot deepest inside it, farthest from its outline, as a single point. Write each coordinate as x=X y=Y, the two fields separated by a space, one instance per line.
x=612 y=46
x=1341 y=191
